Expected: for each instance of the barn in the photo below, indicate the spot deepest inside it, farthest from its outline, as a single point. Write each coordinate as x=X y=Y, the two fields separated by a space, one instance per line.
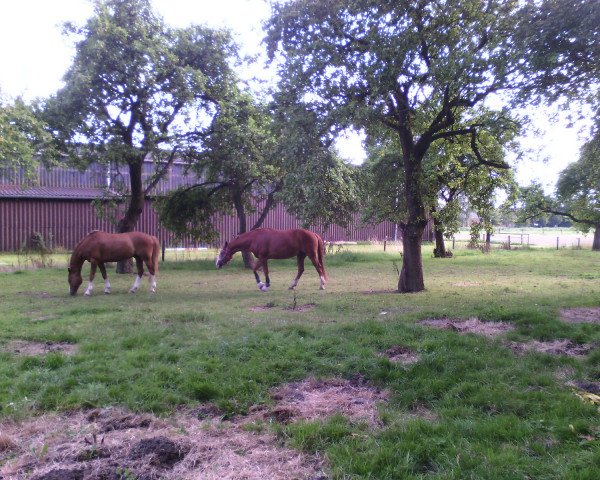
x=65 y=203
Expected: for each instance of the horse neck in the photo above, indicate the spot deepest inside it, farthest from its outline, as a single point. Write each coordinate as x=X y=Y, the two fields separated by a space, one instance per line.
x=76 y=261
x=242 y=242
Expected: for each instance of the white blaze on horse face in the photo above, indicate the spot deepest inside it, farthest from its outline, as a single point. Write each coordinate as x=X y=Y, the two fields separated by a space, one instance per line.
x=90 y=287
x=136 y=284
x=106 y=286
x=152 y=281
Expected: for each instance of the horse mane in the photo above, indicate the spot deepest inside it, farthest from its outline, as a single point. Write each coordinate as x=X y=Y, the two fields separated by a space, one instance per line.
x=83 y=239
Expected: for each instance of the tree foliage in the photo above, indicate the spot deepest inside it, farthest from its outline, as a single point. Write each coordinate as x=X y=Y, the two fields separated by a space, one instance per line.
x=139 y=89
x=253 y=158
x=577 y=195
x=404 y=69
x=561 y=40
x=25 y=140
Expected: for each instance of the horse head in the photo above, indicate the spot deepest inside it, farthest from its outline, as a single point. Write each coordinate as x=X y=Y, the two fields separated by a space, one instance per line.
x=224 y=255
x=75 y=280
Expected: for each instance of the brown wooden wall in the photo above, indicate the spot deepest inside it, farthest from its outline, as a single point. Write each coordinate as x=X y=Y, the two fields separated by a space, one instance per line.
x=65 y=222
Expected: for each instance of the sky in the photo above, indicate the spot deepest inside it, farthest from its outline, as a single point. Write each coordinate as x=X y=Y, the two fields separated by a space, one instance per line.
x=34 y=55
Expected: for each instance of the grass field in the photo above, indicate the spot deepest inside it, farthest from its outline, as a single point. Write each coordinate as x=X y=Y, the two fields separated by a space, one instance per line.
x=468 y=408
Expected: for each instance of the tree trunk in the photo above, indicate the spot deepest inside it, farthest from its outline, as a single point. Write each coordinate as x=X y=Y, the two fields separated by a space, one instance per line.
x=134 y=210
x=440 y=247
x=411 y=275
x=488 y=242
x=596 y=244
x=242 y=226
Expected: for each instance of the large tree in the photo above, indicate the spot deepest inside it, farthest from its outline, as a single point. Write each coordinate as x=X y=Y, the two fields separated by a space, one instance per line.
x=139 y=90
x=239 y=172
x=414 y=69
x=452 y=173
x=254 y=157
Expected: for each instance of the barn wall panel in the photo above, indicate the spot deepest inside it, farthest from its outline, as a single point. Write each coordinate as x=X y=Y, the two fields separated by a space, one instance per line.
x=65 y=222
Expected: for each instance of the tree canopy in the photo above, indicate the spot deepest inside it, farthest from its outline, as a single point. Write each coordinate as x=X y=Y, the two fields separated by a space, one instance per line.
x=138 y=89
x=412 y=70
x=25 y=140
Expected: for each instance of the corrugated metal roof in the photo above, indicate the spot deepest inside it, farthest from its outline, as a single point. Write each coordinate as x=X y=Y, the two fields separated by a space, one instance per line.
x=67 y=193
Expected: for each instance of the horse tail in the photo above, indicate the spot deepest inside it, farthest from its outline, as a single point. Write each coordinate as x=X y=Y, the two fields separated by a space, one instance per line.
x=321 y=254
x=155 y=253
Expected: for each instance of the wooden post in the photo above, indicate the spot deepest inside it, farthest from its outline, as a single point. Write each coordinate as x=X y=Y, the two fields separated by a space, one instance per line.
x=521 y=239
x=453 y=238
x=557 y=238
x=384 y=244
x=163 y=252
x=509 y=242
x=578 y=243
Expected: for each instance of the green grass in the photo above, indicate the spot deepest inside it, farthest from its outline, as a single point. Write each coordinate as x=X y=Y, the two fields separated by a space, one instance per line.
x=498 y=415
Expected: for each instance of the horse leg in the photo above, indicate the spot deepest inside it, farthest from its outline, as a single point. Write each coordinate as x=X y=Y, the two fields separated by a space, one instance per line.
x=152 y=275
x=301 y=257
x=138 y=279
x=257 y=266
x=105 y=277
x=90 y=287
x=266 y=272
x=319 y=268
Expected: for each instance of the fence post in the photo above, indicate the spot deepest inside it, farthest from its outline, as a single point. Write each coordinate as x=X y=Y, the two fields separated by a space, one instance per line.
x=521 y=239
x=578 y=243
x=557 y=242
x=163 y=251
x=453 y=239
x=509 y=242
x=384 y=244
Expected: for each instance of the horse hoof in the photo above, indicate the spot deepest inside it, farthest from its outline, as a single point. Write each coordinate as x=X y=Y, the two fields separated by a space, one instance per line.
x=107 y=292
x=87 y=294
x=132 y=291
x=264 y=288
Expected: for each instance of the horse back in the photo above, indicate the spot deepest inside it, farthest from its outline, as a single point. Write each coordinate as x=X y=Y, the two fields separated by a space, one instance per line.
x=114 y=247
x=280 y=244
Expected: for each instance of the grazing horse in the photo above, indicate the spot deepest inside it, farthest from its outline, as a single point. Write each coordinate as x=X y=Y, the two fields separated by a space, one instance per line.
x=100 y=247
x=267 y=243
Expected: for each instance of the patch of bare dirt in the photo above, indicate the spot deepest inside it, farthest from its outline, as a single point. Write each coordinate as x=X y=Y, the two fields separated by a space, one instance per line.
x=31 y=349
x=262 y=308
x=553 y=347
x=472 y=325
x=378 y=292
x=580 y=315
x=43 y=318
x=301 y=308
x=466 y=284
x=79 y=446
x=400 y=354
x=316 y=399
x=37 y=294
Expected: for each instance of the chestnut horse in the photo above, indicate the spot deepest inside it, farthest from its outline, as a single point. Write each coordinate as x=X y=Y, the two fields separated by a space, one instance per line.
x=267 y=243
x=99 y=247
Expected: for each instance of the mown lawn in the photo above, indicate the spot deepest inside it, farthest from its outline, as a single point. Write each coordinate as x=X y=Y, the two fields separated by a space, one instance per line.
x=493 y=414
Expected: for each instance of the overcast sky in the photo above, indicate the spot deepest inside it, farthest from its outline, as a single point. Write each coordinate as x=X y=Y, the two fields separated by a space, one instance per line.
x=34 y=56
